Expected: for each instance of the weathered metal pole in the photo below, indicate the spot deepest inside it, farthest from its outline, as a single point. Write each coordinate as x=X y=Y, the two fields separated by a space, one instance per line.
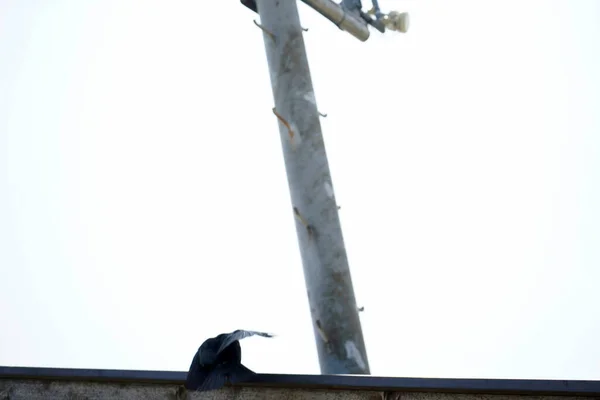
x=335 y=319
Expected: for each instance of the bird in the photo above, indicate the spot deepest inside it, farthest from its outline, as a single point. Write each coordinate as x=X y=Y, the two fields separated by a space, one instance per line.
x=218 y=361
x=251 y=4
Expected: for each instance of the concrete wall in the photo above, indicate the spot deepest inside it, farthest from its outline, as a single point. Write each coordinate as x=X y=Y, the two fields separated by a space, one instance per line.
x=38 y=389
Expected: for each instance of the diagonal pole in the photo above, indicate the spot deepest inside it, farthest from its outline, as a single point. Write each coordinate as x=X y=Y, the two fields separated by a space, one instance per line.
x=334 y=312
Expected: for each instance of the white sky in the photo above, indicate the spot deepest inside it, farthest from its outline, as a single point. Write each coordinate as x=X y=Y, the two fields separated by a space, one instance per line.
x=144 y=204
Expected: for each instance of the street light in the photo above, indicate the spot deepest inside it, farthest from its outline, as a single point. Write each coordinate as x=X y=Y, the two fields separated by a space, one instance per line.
x=396 y=21
x=349 y=17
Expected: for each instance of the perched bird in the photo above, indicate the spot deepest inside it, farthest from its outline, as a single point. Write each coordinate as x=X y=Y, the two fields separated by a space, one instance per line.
x=251 y=4
x=218 y=361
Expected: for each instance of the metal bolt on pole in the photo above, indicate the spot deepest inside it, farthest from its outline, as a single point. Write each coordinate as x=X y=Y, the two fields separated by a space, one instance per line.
x=333 y=307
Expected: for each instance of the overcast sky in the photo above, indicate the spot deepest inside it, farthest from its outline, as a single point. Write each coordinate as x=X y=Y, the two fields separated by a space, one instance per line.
x=144 y=204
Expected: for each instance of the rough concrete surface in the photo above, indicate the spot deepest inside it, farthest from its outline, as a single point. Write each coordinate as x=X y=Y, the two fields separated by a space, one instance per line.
x=38 y=390
x=73 y=390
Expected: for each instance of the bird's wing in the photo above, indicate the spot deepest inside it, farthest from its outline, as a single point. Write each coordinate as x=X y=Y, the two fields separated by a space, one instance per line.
x=218 y=376
x=213 y=379
x=239 y=335
x=194 y=376
x=240 y=373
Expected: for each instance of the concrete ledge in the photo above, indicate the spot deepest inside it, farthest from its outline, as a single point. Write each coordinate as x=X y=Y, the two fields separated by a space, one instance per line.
x=18 y=383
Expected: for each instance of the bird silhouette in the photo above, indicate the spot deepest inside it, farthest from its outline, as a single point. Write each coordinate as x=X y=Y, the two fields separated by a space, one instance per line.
x=251 y=4
x=218 y=361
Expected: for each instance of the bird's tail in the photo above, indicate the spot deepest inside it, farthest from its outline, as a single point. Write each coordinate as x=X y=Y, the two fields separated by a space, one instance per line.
x=218 y=376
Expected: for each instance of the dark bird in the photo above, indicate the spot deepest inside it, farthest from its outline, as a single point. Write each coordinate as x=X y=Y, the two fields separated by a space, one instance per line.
x=218 y=361
x=251 y=4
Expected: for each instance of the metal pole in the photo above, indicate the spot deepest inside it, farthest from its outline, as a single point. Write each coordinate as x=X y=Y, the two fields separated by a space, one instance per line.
x=344 y=20
x=334 y=312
